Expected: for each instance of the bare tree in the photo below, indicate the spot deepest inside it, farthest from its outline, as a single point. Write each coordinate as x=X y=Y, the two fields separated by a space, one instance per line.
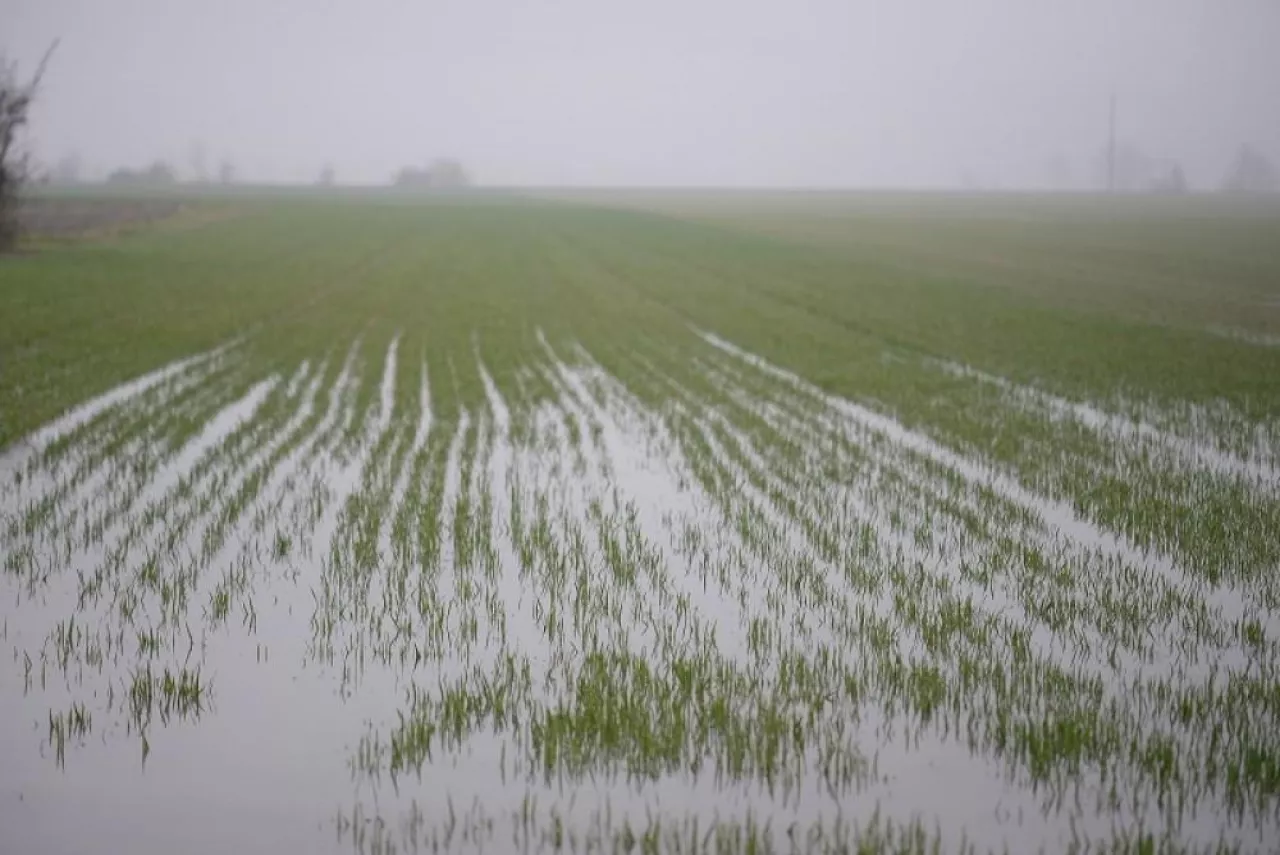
x=1251 y=172
x=1173 y=182
x=226 y=172
x=327 y=176
x=16 y=97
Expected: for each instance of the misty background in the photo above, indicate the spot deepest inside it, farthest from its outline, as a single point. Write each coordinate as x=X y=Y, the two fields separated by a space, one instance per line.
x=985 y=93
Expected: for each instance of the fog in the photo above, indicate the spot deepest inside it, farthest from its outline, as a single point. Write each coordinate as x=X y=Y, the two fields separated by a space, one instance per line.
x=988 y=93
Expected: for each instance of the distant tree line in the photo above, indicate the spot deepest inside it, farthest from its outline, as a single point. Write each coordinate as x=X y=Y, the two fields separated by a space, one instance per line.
x=443 y=173
x=158 y=174
x=1129 y=169
x=440 y=174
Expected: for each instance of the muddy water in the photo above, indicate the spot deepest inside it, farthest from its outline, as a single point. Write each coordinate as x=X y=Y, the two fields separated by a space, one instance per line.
x=521 y=687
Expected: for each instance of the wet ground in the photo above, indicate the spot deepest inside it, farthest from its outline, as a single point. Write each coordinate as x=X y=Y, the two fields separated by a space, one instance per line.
x=682 y=599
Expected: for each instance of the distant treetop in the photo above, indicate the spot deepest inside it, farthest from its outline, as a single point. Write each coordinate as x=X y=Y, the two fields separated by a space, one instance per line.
x=442 y=174
x=1251 y=172
x=158 y=173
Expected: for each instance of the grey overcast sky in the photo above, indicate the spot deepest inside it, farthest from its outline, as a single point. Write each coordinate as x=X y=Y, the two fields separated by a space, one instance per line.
x=667 y=92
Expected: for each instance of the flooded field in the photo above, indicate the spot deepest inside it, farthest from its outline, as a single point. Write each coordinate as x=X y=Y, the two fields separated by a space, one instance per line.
x=522 y=527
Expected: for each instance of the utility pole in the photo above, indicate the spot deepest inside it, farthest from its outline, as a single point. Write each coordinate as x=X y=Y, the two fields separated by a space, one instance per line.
x=1111 y=147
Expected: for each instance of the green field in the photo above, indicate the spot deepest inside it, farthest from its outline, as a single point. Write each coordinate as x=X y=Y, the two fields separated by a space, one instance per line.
x=645 y=521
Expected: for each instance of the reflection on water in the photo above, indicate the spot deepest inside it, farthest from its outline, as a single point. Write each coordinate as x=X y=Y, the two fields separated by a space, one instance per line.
x=691 y=604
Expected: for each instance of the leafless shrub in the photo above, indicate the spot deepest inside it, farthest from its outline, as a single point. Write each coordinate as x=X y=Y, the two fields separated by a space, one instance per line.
x=16 y=97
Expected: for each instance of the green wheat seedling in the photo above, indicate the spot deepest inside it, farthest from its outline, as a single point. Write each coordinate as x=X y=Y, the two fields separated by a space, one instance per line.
x=750 y=525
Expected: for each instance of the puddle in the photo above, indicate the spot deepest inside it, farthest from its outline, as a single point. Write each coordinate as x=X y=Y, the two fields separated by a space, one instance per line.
x=1259 y=470
x=948 y=549
x=1058 y=516
x=213 y=433
x=14 y=459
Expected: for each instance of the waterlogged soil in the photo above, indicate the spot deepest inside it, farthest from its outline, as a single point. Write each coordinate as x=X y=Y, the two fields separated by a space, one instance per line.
x=679 y=600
